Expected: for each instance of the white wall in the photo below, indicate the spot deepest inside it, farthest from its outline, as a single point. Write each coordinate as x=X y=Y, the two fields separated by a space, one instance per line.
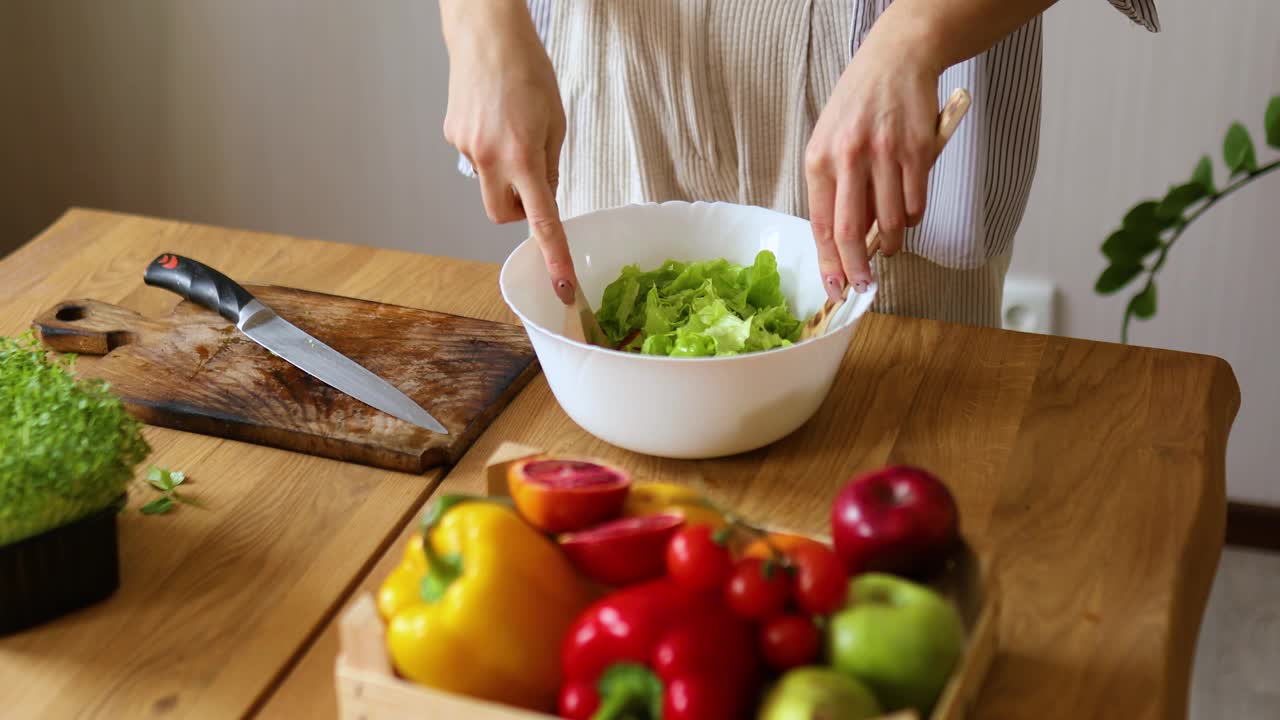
x=322 y=118
x=312 y=117
x=1126 y=115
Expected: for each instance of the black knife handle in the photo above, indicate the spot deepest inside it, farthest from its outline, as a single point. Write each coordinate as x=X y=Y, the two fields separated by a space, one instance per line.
x=198 y=283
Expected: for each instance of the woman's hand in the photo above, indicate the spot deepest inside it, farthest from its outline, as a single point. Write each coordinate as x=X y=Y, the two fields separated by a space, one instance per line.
x=875 y=142
x=506 y=117
x=870 y=154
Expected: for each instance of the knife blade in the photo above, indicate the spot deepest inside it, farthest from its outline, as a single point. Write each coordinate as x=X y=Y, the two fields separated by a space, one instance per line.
x=212 y=290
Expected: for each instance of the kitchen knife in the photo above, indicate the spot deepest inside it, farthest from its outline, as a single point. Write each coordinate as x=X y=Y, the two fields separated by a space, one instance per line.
x=211 y=289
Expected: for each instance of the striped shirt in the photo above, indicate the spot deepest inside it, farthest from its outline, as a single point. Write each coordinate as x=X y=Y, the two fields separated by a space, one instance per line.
x=978 y=188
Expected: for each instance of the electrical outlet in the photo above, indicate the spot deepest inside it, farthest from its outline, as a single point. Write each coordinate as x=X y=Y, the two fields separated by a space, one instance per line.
x=1029 y=304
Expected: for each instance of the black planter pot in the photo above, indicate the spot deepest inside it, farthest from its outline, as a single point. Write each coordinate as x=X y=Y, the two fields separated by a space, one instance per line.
x=59 y=571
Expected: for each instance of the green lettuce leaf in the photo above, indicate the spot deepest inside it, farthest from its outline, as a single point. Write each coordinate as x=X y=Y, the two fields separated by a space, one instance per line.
x=699 y=309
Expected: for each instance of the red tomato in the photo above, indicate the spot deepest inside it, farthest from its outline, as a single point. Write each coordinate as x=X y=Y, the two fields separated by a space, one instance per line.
x=821 y=583
x=758 y=589
x=789 y=641
x=696 y=560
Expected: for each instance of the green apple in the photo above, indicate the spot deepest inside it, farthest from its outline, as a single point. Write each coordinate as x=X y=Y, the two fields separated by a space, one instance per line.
x=901 y=638
x=818 y=693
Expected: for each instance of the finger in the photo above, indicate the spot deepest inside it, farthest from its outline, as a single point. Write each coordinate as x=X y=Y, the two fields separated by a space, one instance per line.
x=553 y=170
x=852 y=221
x=887 y=186
x=499 y=202
x=544 y=223
x=915 y=190
x=822 y=200
x=554 y=145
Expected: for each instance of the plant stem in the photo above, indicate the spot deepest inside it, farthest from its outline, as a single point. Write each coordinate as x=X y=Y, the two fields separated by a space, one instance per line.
x=1181 y=228
x=1213 y=200
x=1128 y=315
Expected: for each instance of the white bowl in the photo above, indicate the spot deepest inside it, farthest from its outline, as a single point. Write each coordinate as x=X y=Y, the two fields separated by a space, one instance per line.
x=680 y=407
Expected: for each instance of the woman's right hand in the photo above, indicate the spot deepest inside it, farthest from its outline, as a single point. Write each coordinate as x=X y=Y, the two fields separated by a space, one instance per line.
x=506 y=117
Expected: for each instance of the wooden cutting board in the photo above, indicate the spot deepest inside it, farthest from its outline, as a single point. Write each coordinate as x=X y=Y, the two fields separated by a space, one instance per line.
x=195 y=371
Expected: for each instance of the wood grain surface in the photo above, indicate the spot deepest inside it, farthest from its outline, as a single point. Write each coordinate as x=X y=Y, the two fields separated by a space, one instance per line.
x=215 y=604
x=1092 y=472
x=192 y=370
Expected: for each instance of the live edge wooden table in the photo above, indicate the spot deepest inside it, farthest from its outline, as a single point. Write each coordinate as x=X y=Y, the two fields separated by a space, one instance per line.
x=1093 y=472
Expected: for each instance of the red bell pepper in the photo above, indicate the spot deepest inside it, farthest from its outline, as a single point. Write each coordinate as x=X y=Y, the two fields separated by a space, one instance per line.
x=659 y=650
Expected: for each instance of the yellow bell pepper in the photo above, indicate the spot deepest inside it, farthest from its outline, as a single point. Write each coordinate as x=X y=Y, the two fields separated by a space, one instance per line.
x=653 y=498
x=483 y=608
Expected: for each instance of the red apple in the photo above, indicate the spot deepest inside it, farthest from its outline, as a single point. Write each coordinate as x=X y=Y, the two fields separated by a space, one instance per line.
x=899 y=519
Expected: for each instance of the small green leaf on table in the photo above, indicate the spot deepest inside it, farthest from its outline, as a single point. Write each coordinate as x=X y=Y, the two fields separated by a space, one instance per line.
x=167 y=482
x=164 y=480
x=1237 y=150
x=158 y=506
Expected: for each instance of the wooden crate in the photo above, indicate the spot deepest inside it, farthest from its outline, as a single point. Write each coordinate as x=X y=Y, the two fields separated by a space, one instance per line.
x=369 y=689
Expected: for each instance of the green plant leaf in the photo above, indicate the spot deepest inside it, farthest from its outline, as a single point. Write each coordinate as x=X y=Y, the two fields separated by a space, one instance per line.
x=164 y=479
x=1116 y=276
x=1128 y=248
x=1142 y=219
x=1203 y=174
x=158 y=506
x=1178 y=199
x=1272 y=122
x=1143 y=305
x=189 y=500
x=1237 y=150
x=159 y=478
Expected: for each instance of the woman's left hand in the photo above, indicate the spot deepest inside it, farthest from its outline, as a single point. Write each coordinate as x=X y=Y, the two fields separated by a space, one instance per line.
x=870 y=154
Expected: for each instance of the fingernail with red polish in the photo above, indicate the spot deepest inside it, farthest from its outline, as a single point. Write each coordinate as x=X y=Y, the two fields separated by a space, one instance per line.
x=565 y=292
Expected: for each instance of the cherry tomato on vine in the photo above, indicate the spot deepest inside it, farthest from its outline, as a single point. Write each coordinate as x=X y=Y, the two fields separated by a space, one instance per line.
x=758 y=589
x=696 y=560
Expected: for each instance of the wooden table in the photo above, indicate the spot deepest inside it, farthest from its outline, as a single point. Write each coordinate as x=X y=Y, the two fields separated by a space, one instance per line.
x=1093 y=473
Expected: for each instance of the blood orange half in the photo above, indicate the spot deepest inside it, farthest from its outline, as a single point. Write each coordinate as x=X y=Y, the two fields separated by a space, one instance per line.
x=565 y=494
x=625 y=551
